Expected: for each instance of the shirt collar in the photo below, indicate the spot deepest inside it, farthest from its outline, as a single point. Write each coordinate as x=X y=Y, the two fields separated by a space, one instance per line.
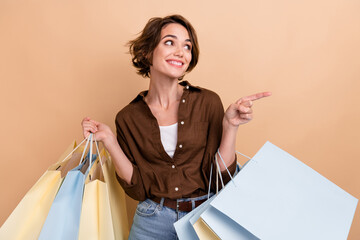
x=185 y=84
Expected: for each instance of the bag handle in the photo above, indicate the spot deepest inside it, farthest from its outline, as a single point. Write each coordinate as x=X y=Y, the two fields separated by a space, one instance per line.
x=243 y=156
x=84 y=160
x=211 y=167
x=93 y=139
x=89 y=140
x=98 y=154
x=85 y=139
x=218 y=174
x=90 y=152
x=232 y=179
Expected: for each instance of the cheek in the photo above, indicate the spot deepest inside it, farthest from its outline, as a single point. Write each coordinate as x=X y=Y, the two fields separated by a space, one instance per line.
x=188 y=57
x=156 y=57
x=159 y=54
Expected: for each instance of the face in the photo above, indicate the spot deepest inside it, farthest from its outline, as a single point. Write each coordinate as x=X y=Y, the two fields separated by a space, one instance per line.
x=172 y=55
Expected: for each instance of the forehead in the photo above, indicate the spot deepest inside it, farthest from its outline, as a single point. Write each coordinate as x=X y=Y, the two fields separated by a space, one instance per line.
x=175 y=29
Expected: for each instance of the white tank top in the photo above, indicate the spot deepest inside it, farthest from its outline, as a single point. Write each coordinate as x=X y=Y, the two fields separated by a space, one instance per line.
x=169 y=138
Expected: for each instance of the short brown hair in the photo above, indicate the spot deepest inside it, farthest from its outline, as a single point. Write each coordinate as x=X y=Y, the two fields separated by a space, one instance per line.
x=142 y=48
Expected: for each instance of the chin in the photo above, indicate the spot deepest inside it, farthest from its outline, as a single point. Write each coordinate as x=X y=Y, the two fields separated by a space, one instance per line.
x=171 y=73
x=177 y=75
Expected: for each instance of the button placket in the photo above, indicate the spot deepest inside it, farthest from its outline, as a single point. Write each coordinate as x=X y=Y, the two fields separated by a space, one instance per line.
x=182 y=122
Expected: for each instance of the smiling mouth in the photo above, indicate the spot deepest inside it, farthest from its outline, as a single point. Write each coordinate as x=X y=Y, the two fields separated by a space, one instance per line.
x=176 y=63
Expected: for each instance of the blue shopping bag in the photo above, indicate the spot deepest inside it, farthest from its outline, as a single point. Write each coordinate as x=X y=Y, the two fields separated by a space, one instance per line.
x=63 y=219
x=278 y=197
x=185 y=226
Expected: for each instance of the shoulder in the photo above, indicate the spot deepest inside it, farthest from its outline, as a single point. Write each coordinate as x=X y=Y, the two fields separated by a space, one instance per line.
x=123 y=113
x=210 y=95
x=204 y=94
x=208 y=98
x=131 y=110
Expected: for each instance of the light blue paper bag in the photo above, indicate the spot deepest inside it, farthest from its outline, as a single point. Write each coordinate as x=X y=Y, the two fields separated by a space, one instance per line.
x=278 y=197
x=223 y=226
x=184 y=227
x=63 y=219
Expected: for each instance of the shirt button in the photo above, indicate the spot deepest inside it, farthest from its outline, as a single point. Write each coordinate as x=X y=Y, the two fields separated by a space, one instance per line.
x=183 y=100
x=176 y=189
x=173 y=166
x=182 y=122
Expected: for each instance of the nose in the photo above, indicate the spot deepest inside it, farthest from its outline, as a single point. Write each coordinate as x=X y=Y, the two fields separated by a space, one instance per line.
x=179 y=52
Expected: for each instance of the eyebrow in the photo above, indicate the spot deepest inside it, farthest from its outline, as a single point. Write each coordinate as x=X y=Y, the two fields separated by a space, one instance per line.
x=173 y=36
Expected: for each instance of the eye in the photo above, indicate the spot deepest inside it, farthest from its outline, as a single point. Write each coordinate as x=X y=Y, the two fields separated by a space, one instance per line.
x=187 y=47
x=169 y=43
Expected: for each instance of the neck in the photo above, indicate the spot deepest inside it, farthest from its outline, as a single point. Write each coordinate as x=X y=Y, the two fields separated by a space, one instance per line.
x=163 y=93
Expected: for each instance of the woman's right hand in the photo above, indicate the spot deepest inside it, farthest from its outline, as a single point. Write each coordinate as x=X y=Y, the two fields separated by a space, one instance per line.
x=101 y=131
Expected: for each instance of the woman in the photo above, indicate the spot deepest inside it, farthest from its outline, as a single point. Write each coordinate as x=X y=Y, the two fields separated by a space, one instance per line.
x=167 y=137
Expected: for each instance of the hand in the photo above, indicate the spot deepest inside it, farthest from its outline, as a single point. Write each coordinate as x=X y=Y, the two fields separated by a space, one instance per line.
x=240 y=112
x=101 y=131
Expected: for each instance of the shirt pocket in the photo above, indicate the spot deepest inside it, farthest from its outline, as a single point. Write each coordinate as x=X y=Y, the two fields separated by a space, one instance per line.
x=200 y=135
x=147 y=208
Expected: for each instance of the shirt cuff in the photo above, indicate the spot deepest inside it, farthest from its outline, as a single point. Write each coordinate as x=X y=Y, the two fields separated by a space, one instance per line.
x=135 y=188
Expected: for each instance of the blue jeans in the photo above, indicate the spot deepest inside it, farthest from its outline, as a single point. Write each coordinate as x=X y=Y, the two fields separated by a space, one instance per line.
x=154 y=221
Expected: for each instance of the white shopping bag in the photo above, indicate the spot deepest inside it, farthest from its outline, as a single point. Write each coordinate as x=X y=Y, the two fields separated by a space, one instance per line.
x=184 y=227
x=278 y=197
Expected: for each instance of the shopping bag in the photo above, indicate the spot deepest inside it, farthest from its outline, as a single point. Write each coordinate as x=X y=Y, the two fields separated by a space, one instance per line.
x=220 y=225
x=184 y=227
x=103 y=213
x=191 y=226
x=116 y=198
x=278 y=197
x=203 y=231
x=188 y=227
x=62 y=222
x=96 y=221
x=27 y=219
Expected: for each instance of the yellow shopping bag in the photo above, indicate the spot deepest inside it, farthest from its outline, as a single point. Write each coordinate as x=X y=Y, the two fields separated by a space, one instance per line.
x=95 y=221
x=117 y=198
x=103 y=214
x=203 y=231
x=27 y=219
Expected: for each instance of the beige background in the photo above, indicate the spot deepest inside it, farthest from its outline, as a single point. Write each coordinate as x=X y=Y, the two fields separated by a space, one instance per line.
x=63 y=60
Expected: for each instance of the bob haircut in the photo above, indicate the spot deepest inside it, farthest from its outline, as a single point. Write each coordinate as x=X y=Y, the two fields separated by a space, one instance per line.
x=142 y=48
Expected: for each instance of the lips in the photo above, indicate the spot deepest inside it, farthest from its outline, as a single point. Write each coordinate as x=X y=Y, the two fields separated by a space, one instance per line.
x=175 y=63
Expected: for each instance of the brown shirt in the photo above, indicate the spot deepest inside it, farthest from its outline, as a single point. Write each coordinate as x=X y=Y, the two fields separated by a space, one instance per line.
x=156 y=174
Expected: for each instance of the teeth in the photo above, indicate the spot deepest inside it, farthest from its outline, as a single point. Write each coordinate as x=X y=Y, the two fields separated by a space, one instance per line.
x=176 y=63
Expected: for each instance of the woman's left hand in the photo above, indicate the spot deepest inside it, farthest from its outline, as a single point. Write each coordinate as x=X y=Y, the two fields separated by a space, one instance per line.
x=240 y=112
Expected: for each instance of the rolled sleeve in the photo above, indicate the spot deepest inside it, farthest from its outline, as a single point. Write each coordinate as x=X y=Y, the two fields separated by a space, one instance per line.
x=135 y=189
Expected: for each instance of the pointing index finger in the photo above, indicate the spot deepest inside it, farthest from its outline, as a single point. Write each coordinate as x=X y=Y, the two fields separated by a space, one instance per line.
x=256 y=96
